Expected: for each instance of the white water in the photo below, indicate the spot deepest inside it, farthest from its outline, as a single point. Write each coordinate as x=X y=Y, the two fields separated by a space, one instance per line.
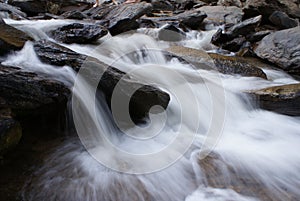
x=256 y=146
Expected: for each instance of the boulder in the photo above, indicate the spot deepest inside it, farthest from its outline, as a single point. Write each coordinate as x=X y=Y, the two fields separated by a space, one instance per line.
x=282 y=48
x=266 y=8
x=191 y=19
x=257 y=36
x=281 y=99
x=10 y=130
x=11 y=38
x=142 y=100
x=30 y=7
x=121 y=18
x=14 y=12
x=223 y=64
x=244 y=28
x=58 y=55
x=218 y=15
x=79 y=33
x=171 y=33
x=282 y=20
x=27 y=93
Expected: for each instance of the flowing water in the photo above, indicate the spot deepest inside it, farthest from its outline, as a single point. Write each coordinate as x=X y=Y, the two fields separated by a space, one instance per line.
x=254 y=156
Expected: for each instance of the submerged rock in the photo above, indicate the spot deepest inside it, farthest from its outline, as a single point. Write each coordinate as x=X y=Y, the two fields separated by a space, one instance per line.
x=283 y=49
x=11 y=38
x=79 y=33
x=281 y=99
x=223 y=64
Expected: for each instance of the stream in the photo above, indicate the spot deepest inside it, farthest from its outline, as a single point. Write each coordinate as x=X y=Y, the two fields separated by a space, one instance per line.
x=212 y=143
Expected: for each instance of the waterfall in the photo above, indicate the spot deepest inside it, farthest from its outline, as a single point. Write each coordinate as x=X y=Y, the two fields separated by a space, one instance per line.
x=252 y=155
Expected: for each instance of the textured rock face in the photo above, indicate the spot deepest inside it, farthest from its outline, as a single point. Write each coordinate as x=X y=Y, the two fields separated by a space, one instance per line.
x=281 y=99
x=267 y=7
x=79 y=33
x=223 y=64
x=222 y=15
x=282 y=20
x=11 y=38
x=283 y=49
x=13 y=11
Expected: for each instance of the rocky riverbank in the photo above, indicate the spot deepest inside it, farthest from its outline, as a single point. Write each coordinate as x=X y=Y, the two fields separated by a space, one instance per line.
x=252 y=36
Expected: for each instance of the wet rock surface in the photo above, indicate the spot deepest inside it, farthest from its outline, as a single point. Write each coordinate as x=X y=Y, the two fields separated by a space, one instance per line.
x=79 y=33
x=282 y=20
x=223 y=64
x=11 y=39
x=283 y=99
x=282 y=48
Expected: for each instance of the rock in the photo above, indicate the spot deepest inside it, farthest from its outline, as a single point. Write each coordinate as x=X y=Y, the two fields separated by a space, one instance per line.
x=13 y=11
x=30 y=94
x=55 y=54
x=223 y=64
x=79 y=33
x=142 y=100
x=191 y=19
x=171 y=33
x=121 y=18
x=160 y=5
x=10 y=131
x=235 y=44
x=11 y=39
x=281 y=99
x=218 y=15
x=282 y=48
x=282 y=20
x=31 y=7
x=258 y=36
x=236 y=3
x=266 y=8
x=74 y=15
x=244 y=28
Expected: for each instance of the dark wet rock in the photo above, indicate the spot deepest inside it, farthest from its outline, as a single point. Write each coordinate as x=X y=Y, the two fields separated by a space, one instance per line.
x=121 y=18
x=190 y=4
x=57 y=55
x=218 y=15
x=29 y=94
x=257 y=36
x=74 y=14
x=223 y=64
x=15 y=12
x=79 y=33
x=266 y=8
x=11 y=39
x=147 y=23
x=245 y=27
x=283 y=49
x=31 y=8
x=283 y=99
x=282 y=20
x=143 y=99
x=191 y=19
x=236 y=3
x=234 y=45
x=10 y=130
x=170 y=32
